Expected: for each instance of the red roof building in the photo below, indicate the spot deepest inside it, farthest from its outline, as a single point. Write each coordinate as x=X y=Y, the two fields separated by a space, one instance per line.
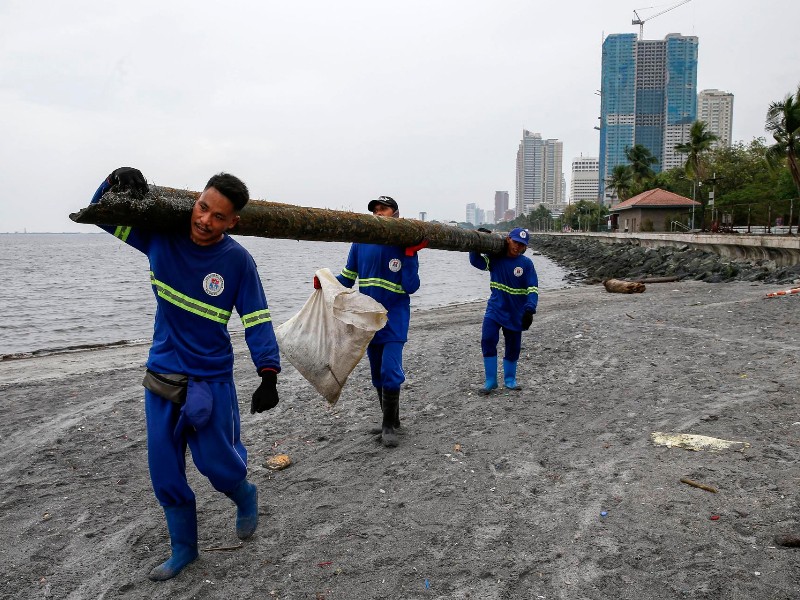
x=653 y=210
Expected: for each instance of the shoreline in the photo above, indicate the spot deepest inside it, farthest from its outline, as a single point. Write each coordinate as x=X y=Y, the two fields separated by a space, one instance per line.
x=554 y=491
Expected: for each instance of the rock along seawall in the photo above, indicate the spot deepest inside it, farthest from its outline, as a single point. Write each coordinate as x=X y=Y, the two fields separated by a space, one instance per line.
x=597 y=257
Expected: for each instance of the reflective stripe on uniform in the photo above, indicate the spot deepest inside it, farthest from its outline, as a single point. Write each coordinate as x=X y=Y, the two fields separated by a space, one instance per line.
x=381 y=283
x=533 y=290
x=509 y=290
x=122 y=232
x=183 y=301
x=256 y=318
x=349 y=274
x=486 y=260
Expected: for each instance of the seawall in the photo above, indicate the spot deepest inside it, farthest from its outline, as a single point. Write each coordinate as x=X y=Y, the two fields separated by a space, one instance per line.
x=781 y=249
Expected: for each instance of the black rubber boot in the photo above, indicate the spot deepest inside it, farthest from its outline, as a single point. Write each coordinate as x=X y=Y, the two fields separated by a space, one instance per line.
x=379 y=428
x=182 y=527
x=391 y=404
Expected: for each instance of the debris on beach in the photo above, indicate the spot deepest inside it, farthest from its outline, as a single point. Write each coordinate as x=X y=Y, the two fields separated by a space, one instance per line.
x=789 y=540
x=278 y=462
x=223 y=548
x=697 y=484
x=783 y=293
x=696 y=443
x=618 y=286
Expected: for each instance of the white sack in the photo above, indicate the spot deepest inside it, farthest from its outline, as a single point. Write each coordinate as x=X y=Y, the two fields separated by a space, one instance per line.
x=330 y=334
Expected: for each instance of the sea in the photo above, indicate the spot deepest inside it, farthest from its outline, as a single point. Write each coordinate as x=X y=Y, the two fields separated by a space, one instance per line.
x=72 y=291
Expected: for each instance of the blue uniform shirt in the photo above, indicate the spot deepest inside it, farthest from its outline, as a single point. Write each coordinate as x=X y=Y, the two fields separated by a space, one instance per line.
x=386 y=274
x=197 y=288
x=514 y=285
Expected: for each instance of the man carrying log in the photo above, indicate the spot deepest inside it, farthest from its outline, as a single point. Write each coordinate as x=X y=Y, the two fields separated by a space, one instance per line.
x=388 y=274
x=190 y=398
x=511 y=306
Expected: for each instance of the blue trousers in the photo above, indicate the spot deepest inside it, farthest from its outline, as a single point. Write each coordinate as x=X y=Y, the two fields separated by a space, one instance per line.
x=217 y=449
x=490 y=336
x=386 y=365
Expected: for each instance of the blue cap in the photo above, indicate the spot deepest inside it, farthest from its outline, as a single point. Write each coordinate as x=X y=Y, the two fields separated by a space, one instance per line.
x=519 y=234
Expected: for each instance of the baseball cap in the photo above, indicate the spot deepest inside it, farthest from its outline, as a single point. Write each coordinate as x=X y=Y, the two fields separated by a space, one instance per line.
x=385 y=200
x=518 y=234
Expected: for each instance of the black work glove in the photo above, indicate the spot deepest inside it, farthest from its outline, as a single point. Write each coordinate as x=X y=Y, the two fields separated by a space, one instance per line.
x=128 y=179
x=266 y=395
x=484 y=230
x=527 y=319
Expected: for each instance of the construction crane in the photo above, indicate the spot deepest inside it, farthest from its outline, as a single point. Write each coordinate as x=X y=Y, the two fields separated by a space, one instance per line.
x=640 y=22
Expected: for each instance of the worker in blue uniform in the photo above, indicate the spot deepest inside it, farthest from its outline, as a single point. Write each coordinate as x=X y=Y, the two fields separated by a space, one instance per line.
x=511 y=306
x=198 y=278
x=389 y=274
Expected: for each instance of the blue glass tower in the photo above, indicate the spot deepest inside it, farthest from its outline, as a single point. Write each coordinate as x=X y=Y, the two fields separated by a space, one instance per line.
x=680 y=102
x=617 y=102
x=648 y=97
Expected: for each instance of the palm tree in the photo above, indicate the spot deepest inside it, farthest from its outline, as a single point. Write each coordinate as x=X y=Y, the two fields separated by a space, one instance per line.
x=621 y=182
x=700 y=141
x=640 y=159
x=783 y=121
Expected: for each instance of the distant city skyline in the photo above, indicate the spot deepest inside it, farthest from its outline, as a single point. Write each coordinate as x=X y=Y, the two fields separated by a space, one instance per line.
x=423 y=102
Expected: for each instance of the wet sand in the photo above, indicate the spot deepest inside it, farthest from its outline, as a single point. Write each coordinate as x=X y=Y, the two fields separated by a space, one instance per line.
x=556 y=491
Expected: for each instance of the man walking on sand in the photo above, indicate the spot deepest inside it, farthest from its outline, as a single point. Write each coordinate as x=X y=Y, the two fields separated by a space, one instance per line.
x=198 y=278
x=388 y=274
x=511 y=306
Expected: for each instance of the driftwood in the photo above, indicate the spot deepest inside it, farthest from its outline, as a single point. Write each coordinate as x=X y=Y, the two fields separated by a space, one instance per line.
x=169 y=210
x=623 y=287
x=697 y=484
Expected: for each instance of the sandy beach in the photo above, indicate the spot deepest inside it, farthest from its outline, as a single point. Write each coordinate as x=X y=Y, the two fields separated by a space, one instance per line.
x=557 y=491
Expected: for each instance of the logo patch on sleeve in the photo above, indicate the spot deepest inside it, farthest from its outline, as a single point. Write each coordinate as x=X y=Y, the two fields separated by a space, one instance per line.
x=213 y=284
x=395 y=265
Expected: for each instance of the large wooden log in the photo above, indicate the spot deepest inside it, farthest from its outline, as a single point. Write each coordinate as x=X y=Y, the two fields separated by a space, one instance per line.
x=169 y=210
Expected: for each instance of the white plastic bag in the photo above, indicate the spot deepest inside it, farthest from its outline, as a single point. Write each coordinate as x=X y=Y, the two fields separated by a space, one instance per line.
x=330 y=334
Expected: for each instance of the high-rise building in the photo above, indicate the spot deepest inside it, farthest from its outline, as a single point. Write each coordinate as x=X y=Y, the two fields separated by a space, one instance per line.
x=680 y=102
x=490 y=217
x=500 y=204
x=472 y=216
x=648 y=93
x=539 y=172
x=585 y=180
x=715 y=108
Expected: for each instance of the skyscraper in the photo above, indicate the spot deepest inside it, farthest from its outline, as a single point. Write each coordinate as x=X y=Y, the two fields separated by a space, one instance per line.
x=648 y=96
x=539 y=172
x=500 y=205
x=584 y=182
x=715 y=108
x=472 y=213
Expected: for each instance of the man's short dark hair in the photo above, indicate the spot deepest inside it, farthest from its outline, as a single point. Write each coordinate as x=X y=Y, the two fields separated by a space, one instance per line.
x=231 y=187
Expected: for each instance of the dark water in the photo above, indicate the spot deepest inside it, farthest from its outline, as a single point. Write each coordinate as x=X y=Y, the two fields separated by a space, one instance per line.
x=63 y=291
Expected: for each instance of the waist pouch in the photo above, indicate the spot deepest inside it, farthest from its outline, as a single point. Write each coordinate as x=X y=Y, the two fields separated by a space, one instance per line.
x=170 y=386
x=196 y=411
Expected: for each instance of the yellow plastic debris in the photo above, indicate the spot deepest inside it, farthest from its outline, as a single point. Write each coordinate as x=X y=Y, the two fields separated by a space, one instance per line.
x=696 y=443
x=278 y=462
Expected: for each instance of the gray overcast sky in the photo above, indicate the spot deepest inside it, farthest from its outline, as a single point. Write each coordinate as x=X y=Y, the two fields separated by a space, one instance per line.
x=329 y=104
